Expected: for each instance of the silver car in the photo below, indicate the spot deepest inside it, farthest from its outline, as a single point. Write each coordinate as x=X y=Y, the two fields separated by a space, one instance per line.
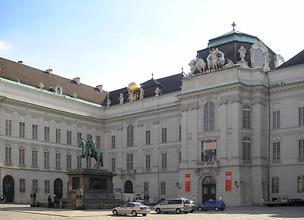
x=131 y=208
x=177 y=205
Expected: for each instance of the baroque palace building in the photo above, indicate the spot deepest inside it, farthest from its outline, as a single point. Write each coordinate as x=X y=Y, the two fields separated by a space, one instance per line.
x=232 y=128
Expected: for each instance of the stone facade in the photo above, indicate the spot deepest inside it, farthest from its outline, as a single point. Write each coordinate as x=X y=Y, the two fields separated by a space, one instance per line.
x=158 y=143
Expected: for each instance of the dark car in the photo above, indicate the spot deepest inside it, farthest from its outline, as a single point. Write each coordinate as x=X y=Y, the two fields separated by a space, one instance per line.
x=211 y=205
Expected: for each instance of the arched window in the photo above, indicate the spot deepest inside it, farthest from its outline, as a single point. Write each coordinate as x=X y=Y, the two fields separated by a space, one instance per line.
x=208 y=116
x=130 y=133
x=246 y=117
x=275 y=184
x=128 y=187
x=246 y=149
x=301 y=184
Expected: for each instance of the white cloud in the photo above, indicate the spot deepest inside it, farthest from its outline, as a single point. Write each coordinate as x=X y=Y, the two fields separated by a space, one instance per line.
x=4 y=46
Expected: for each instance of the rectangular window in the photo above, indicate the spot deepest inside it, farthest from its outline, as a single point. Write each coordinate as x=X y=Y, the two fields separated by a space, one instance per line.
x=46 y=160
x=301 y=116
x=58 y=161
x=8 y=127
x=164 y=135
x=148 y=137
x=69 y=161
x=301 y=149
x=276 y=119
x=21 y=129
x=47 y=134
x=301 y=184
x=180 y=133
x=148 y=161
x=276 y=151
x=164 y=161
x=58 y=136
x=246 y=150
x=146 y=189
x=98 y=141
x=113 y=164
x=69 y=137
x=46 y=186
x=79 y=136
x=246 y=118
x=34 y=158
x=89 y=136
x=22 y=185
x=129 y=161
x=21 y=157
x=34 y=132
x=79 y=162
x=275 y=185
x=113 y=141
x=163 y=188
x=35 y=186
x=179 y=156
x=8 y=155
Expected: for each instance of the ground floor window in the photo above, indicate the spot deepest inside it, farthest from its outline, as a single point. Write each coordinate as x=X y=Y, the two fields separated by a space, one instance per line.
x=275 y=183
x=301 y=184
x=163 y=188
x=22 y=185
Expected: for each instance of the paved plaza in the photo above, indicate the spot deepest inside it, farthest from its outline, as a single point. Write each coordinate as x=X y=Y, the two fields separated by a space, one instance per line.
x=24 y=212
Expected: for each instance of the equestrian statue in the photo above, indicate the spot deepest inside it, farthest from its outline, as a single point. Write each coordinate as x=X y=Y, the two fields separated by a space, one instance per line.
x=89 y=150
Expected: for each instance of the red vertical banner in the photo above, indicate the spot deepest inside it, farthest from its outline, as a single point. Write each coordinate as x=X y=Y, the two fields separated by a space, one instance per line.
x=187 y=182
x=228 y=175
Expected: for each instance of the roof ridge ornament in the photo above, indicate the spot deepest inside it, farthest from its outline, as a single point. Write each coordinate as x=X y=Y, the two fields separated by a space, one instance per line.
x=233 y=26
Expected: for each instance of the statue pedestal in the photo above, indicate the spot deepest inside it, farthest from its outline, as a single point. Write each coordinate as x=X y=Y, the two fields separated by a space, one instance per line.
x=89 y=188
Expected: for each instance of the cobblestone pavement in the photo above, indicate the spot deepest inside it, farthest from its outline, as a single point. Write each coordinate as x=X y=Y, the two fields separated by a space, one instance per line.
x=24 y=212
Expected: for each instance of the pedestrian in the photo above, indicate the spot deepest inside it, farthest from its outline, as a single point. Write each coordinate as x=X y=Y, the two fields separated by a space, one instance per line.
x=2 y=198
x=49 y=201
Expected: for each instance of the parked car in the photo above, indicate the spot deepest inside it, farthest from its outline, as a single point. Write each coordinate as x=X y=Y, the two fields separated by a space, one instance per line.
x=131 y=208
x=211 y=205
x=193 y=206
x=176 y=205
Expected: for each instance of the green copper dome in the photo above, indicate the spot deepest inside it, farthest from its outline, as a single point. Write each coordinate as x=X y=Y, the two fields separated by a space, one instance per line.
x=232 y=36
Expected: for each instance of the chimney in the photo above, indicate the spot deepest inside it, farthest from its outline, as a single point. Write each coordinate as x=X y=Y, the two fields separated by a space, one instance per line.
x=20 y=61
x=99 y=87
x=49 y=71
x=77 y=80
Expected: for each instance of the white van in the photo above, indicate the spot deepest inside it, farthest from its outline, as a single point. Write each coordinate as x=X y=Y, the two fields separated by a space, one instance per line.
x=176 y=205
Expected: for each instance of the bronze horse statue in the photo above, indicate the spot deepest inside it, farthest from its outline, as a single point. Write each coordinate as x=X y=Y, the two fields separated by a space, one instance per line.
x=89 y=150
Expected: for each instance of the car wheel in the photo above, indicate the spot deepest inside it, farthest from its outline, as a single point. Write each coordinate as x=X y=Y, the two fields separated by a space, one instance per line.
x=158 y=211
x=115 y=212
x=144 y=214
x=199 y=209
x=178 y=211
x=216 y=208
x=134 y=213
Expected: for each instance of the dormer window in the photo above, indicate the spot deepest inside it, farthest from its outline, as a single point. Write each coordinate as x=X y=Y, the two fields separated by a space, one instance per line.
x=59 y=90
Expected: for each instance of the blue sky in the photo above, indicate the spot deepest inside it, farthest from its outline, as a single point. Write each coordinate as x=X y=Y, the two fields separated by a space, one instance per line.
x=117 y=42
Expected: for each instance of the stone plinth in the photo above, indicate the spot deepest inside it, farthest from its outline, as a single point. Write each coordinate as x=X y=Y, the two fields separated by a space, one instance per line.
x=89 y=188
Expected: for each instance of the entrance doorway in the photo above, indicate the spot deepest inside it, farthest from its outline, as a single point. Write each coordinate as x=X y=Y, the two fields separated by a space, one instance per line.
x=208 y=189
x=8 y=188
x=58 y=188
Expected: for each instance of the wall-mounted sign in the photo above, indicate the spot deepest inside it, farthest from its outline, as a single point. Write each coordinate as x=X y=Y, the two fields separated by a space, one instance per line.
x=187 y=182
x=208 y=151
x=228 y=175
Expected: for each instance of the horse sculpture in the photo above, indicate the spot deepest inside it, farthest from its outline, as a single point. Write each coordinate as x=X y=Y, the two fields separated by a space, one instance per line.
x=89 y=150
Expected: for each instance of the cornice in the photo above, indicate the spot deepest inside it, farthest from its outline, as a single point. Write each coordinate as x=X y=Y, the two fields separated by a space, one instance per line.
x=285 y=88
x=173 y=109
x=49 y=114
